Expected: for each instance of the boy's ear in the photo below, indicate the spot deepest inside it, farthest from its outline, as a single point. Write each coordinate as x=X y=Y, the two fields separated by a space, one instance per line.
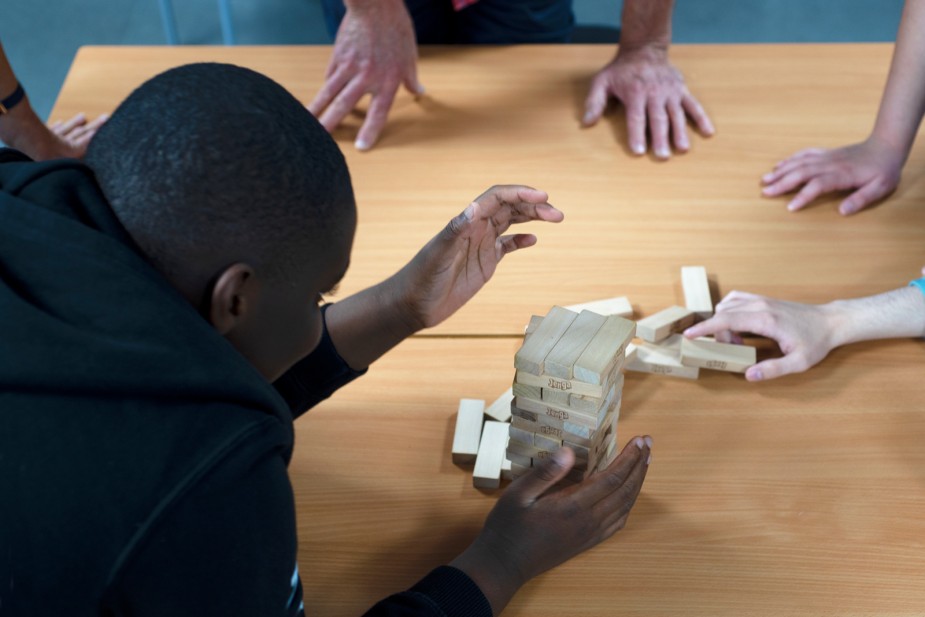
x=233 y=295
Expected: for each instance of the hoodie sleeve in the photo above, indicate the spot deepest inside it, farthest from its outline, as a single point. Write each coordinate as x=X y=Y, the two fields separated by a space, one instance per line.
x=315 y=377
x=445 y=592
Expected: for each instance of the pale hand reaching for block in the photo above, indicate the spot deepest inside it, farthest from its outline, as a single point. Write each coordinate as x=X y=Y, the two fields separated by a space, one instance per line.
x=806 y=333
x=532 y=530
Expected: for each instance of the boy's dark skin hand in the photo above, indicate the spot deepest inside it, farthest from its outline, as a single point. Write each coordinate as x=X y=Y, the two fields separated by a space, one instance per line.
x=533 y=529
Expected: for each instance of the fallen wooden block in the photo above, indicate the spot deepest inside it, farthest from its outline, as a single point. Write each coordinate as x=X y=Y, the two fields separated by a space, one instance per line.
x=662 y=359
x=697 y=291
x=660 y=325
x=619 y=306
x=468 y=431
x=500 y=410
x=710 y=354
x=531 y=356
x=492 y=450
x=507 y=472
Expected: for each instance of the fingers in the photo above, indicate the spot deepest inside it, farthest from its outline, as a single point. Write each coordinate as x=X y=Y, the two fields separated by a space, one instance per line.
x=695 y=110
x=735 y=321
x=510 y=204
x=864 y=196
x=622 y=479
x=792 y=179
x=61 y=129
x=813 y=189
x=636 y=123
x=412 y=84
x=678 y=126
x=333 y=84
x=778 y=367
x=596 y=102
x=658 y=128
x=375 y=119
x=514 y=242
x=345 y=101
x=530 y=487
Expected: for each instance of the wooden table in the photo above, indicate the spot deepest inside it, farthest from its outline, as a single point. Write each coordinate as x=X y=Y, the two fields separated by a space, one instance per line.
x=802 y=496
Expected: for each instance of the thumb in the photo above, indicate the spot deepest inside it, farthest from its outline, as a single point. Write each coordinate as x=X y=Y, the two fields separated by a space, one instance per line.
x=595 y=103
x=550 y=470
x=778 y=367
x=458 y=224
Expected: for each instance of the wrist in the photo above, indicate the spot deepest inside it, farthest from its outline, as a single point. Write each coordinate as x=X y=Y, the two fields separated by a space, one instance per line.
x=648 y=51
x=21 y=129
x=838 y=324
x=489 y=570
x=361 y=7
x=889 y=147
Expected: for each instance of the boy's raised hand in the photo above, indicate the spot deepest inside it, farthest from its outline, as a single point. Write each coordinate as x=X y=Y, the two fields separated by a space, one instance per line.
x=458 y=261
x=532 y=530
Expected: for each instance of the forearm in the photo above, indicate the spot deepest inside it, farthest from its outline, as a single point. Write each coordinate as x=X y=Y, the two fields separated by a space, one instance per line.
x=490 y=574
x=646 y=24
x=366 y=325
x=903 y=102
x=894 y=314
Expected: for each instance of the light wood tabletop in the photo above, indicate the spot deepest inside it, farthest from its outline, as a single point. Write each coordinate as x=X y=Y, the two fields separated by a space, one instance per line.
x=510 y=115
x=801 y=496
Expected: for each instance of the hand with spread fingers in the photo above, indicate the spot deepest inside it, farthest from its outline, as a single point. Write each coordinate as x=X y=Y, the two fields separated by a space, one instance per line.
x=651 y=89
x=870 y=169
x=533 y=528
x=375 y=52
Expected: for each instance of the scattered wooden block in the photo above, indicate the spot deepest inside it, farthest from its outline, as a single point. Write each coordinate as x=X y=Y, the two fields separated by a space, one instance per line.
x=619 y=306
x=662 y=359
x=574 y=342
x=710 y=354
x=697 y=291
x=659 y=326
x=507 y=472
x=630 y=353
x=468 y=430
x=492 y=447
x=595 y=363
x=500 y=410
x=532 y=354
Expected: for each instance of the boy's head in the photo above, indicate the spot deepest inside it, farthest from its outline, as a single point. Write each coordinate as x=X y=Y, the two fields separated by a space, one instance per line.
x=238 y=196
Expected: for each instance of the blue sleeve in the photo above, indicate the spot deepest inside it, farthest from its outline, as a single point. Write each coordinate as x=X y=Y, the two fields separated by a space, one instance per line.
x=315 y=377
x=920 y=283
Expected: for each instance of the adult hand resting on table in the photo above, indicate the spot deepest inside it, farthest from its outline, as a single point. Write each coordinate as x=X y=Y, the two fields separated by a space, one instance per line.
x=375 y=52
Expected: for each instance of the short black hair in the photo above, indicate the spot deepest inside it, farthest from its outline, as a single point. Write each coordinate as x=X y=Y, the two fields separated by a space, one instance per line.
x=210 y=156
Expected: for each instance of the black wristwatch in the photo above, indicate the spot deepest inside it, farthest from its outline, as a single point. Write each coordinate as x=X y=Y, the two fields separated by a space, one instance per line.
x=11 y=101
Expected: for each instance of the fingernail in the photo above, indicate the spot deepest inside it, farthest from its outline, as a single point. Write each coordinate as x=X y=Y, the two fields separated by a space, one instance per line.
x=791 y=206
x=361 y=144
x=469 y=212
x=649 y=460
x=662 y=153
x=587 y=118
x=421 y=89
x=754 y=375
x=639 y=443
x=639 y=149
x=766 y=178
x=648 y=440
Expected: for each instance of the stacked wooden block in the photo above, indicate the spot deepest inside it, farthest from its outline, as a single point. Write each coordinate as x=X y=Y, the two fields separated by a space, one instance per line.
x=568 y=389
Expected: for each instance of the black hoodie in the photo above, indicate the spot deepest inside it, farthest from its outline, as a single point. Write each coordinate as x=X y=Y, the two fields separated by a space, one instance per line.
x=142 y=458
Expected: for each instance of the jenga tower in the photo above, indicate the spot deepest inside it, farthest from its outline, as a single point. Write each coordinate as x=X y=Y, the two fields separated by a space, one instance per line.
x=567 y=390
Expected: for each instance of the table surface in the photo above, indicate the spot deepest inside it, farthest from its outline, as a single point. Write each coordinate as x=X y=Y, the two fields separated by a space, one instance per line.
x=796 y=497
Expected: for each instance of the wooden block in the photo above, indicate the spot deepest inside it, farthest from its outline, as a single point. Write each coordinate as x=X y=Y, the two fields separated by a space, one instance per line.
x=532 y=354
x=506 y=469
x=630 y=353
x=554 y=383
x=581 y=452
x=555 y=397
x=468 y=430
x=619 y=306
x=523 y=436
x=543 y=442
x=515 y=447
x=554 y=412
x=657 y=327
x=525 y=424
x=487 y=473
x=710 y=354
x=583 y=331
x=535 y=321
x=590 y=404
x=607 y=348
x=519 y=459
x=500 y=410
x=697 y=291
x=524 y=391
x=608 y=457
x=519 y=470
x=662 y=359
